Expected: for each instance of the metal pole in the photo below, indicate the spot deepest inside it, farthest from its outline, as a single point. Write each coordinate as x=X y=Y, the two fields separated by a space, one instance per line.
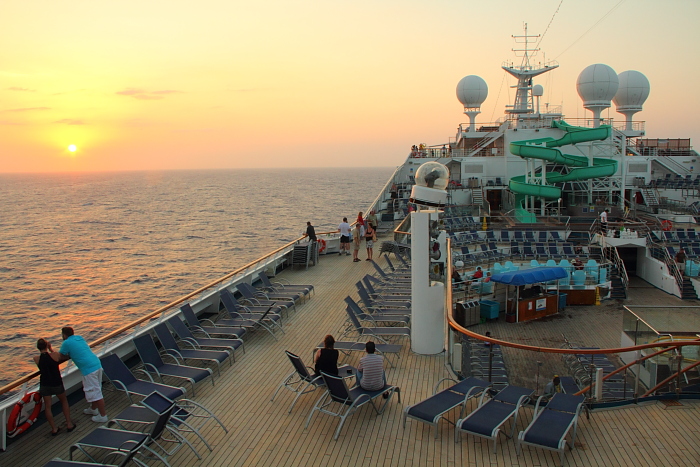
x=490 y=361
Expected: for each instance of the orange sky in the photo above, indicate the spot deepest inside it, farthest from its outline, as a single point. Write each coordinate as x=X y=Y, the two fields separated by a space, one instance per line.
x=186 y=85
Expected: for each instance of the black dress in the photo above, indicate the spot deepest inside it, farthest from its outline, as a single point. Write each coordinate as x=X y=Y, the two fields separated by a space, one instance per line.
x=50 y=381
x=327 y=362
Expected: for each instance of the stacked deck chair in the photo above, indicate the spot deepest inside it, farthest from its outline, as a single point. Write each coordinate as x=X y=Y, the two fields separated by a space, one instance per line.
x=401 y=278
x=171 y=347
x=153 y=364
x=337 y=392
x=124 y=380
x=300 y=381
x=375 y=332
x=378 y=289
x=377 y=316
x=184 y=333
x=378 y=301
x=551 y=424
x=147 y=444
x=280 y=287
x=267 y=317
x=208 y=327
x=486 y=421
x=432 y=409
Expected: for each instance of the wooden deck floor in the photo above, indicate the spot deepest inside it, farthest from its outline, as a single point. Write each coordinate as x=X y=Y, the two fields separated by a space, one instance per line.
x=262 y=433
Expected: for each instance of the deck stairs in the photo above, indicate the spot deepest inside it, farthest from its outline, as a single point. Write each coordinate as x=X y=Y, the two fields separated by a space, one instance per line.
x=688 y=290
x=478 y=196
x=618 y=290
x=649 y=195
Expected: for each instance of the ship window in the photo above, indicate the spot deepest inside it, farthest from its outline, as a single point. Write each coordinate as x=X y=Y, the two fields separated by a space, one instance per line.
x=637 y=168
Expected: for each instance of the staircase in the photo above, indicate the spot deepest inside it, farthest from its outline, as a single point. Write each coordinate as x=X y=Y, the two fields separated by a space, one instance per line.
x=478 y=197
x=688 y=291
x=650 y=197
x=618 y=290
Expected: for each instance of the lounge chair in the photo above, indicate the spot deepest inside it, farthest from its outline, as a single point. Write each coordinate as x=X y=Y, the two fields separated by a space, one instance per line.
x=171 y=347
x=375 y=288
x=118 y=440
x=337 y=391
x=199 y=325
x=377 y=316
x=552 y=423
x=486 y=421
x=153 y=363
x=277 y=286
x=247 y=317
x=377 y=332
x=124 y=380
x=184 y=333
x=126 y=458
x=258 y=297
x=432 y=409
x=300 y=381
x=398 y=278
x=387 y=301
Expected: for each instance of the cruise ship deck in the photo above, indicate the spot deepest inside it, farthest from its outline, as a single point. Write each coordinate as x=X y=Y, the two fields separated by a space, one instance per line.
x=262 y=433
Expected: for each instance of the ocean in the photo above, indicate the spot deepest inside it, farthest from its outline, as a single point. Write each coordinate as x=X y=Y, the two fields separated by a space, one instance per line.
x=96 y=250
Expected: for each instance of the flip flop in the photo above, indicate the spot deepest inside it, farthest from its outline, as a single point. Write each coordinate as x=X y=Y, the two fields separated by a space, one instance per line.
x=71 y=429
x=54 y=433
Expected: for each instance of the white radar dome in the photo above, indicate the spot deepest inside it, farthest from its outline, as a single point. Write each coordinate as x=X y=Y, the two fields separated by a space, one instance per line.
x=433 y=175
x=633 y=90
x=597 y=85
x=472 y=91
x=538 y=90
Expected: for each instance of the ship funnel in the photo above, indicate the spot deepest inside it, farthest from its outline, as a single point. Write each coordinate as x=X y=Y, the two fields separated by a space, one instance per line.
x=597 y=85
x=471 y=92
x=631 y=95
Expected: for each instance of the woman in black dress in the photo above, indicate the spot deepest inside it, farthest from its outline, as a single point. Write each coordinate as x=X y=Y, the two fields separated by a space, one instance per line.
x=51 y=384
x=327 y=358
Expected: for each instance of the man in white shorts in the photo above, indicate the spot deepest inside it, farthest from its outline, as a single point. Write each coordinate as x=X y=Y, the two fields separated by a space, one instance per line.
x=74 y=347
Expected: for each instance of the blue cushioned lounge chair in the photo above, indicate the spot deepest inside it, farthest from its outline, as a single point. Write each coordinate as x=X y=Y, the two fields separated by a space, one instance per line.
x=184 y=333
x=123 y=380
x=208 y=327
x=300 y=381
x=337 y=392
x=552 y=423
x=173 y=348
x=486 y=421
x=432 y=409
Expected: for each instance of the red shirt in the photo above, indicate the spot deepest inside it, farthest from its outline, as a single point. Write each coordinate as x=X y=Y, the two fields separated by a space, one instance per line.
x=478 y=274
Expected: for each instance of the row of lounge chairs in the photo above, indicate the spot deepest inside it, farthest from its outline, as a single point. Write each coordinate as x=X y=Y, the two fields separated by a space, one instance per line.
x=692 y=250
x=681 y=235
x=506 y=236
x=163 y=415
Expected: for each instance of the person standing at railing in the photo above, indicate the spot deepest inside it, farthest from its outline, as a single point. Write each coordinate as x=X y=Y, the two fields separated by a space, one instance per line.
x=51 y=384
x=604 y=221
x=680 y=261
x=345 y=233
x=310 y=231
x=75 y=348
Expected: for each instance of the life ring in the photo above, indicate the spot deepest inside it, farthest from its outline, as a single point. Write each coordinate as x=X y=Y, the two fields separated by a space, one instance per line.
x=19 y=420
x=322 y=244
x=666 y=225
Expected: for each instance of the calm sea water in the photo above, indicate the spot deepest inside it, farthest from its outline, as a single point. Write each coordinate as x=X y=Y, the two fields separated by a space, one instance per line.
x=94 y=251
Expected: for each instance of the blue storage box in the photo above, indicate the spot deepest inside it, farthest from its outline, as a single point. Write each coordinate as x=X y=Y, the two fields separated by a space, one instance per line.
x=489 y=309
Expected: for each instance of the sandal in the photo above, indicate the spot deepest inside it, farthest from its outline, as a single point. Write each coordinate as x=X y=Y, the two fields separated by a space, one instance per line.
x=54 y=433
x=71 y=429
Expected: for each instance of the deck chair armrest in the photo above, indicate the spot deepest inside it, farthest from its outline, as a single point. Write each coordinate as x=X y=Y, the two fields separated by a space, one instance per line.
x=207 y=321
x=121 y=386
x=192 y=341
x=261 y=294
x=252 y=301
x=186 y=342
x=175 y=354
x=437 y=386
x=282 y=283
x=164 y=355
x=144 y=371
x=200 y=330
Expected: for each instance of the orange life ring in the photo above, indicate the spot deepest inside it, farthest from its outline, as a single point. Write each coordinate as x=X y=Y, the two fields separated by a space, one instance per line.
x=666 y=225
x=322 y=247
x=18 y=421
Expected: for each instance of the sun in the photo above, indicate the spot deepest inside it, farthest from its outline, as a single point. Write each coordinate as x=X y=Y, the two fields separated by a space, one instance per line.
x=72 y=148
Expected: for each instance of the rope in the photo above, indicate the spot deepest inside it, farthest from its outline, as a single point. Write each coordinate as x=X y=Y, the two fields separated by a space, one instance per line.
x=591 y=28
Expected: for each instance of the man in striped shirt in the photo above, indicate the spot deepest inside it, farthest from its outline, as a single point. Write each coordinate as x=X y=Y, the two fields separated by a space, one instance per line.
x=370 y=372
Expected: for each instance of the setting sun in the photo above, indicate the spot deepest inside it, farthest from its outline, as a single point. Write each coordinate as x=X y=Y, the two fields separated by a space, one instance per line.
x=72 y=148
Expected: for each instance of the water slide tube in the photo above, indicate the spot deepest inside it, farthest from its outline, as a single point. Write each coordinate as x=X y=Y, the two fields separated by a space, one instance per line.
x=546 y=149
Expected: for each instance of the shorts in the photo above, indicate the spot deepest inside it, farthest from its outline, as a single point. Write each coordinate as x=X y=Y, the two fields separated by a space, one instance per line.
x=370 y=243
x=356 y=246
x=92 y=386
x=51 y=390
x=344 y=239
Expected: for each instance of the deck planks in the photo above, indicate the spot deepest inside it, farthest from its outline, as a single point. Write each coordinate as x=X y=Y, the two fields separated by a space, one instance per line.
x=262 y=433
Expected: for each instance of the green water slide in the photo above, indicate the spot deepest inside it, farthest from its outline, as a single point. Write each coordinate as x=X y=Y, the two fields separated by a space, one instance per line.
x=546 y=149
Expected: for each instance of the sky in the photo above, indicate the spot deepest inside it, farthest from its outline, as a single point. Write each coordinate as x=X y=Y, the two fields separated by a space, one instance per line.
x=161 y=85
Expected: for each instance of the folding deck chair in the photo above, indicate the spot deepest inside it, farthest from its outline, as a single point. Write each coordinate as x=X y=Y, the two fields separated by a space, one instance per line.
x=486 y=421
x=197 y=325
x=124 y=380
x=378 y=302
x=551 y=424
x=117 y=440
x=337 y=391
x=376 y=316
x=250 y=317
x=171 y=347
x=184 y=333
x=432 y=409
x=300 y=381
x=153 y=363
x=391 y=278
x=376 y=287
x=258 y=297
x=277 y=286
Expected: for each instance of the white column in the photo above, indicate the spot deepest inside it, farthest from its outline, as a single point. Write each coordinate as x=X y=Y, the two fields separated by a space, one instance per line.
x=427 y=301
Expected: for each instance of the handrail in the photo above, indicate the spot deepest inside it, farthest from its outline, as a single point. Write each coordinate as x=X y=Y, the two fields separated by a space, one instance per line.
x=382 y=192
x=113 y=334
x=670 y=378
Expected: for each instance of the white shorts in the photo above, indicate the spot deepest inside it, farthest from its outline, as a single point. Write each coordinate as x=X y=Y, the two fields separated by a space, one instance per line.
x=92 y=386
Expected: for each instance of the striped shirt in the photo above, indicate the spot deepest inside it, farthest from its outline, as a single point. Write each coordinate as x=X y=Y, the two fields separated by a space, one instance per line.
x=372 y=368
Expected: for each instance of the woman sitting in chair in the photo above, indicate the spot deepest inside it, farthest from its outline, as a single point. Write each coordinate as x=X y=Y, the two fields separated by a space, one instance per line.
x=326 y=359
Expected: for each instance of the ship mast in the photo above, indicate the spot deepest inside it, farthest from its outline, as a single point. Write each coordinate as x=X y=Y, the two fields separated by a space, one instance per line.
x=524 y=73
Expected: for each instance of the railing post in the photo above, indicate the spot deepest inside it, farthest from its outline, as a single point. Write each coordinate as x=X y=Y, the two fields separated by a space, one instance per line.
x=639 y=369
x=490 y=362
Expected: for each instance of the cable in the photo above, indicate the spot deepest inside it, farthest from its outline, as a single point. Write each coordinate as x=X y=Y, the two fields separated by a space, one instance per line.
x=550 y=23
x=500 y=88
x=591 y=28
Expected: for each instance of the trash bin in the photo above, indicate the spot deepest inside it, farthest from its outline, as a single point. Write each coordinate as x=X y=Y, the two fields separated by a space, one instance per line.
x=489 y=309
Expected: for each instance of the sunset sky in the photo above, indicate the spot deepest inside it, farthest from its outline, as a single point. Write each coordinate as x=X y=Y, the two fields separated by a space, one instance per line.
x=150 y=85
